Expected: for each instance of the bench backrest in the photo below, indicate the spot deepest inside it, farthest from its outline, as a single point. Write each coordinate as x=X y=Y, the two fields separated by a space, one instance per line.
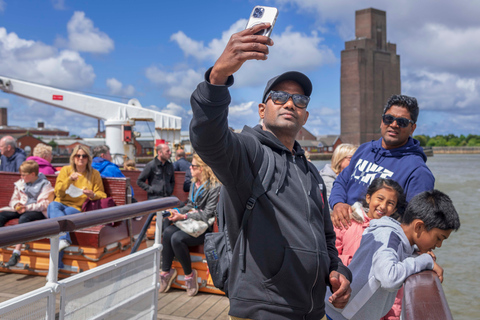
x=141 y=195
x=114 y=187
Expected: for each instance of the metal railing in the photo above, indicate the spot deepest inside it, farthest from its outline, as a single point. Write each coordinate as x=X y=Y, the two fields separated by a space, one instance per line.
x=423 y=298
x=126 y=288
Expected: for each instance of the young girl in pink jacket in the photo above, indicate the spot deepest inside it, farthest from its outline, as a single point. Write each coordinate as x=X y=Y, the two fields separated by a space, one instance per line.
x=384 y=197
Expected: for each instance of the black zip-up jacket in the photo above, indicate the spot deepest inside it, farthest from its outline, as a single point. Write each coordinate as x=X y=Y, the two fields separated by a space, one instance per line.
x=161 y=179
x=290 y=239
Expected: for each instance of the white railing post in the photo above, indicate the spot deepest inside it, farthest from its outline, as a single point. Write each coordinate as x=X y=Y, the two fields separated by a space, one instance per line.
x=52 y=276
x=157 y=244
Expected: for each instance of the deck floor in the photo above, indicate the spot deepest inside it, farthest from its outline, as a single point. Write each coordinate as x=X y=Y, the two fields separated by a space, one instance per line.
x=174 y=305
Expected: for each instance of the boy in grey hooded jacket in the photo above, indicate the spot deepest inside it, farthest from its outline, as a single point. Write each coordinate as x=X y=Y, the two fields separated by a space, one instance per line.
x=386 y=256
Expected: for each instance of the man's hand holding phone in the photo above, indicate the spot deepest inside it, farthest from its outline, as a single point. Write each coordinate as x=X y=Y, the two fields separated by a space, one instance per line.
x=242 y=46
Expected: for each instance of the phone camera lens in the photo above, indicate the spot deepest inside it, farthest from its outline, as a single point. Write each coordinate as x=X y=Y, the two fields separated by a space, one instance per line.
x=258 y=12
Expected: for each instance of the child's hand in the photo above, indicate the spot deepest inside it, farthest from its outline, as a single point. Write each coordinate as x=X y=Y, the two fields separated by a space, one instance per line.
x=20 y=208
x=432 y=255
x=438 y=270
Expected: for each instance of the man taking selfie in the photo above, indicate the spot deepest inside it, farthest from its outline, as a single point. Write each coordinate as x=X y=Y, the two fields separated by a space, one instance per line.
x=290 y=243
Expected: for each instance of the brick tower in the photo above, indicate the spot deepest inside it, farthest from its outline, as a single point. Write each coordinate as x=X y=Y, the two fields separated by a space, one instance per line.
x=370 y=74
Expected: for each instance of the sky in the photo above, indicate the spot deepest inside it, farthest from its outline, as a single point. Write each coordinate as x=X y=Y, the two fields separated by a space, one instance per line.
x=158 y=51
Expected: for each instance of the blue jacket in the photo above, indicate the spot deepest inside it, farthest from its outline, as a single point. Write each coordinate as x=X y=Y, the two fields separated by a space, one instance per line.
x=12 y=164
x=406 y=165
x=106 y=168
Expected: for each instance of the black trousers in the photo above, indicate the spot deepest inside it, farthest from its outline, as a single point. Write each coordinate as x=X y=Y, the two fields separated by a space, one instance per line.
x=175 y=244
x=27 y=216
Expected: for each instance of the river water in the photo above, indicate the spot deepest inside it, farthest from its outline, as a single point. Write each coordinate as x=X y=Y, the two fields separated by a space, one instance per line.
x=458 y=176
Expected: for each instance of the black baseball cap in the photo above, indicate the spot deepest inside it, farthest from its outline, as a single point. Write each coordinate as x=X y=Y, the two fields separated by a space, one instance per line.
x=296 y=76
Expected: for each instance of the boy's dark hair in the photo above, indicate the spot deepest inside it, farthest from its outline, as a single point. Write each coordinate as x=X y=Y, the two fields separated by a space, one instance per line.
x=406 y=102
x=434 y=208
x=28 y=167
x=380 y=183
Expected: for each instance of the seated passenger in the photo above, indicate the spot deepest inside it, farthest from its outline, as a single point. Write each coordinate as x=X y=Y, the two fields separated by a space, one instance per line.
x=42 y=154
x=31 y=196
x=340 y=160
x=201 y=205
x=75 y=184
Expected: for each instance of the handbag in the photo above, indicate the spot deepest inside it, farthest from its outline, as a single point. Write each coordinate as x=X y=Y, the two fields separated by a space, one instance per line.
x=193 y=227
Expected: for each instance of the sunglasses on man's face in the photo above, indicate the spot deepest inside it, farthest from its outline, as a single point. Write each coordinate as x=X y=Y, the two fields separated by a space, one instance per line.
x=388 y=119
x=281 y=97
x=82 y=156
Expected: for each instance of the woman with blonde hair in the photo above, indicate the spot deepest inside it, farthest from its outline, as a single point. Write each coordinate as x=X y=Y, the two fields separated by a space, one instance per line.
x=75 y=184
x=200 y=206
x=42 y=154
x=340 y=160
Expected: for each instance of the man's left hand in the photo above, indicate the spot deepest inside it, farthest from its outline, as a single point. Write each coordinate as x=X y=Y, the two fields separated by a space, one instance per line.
x=340 y=290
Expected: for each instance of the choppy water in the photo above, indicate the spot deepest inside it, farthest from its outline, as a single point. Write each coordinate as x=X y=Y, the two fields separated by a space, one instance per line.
x=459 y=177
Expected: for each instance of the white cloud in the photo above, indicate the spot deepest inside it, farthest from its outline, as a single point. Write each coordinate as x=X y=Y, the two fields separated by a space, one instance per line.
x=117 y=88
x=302 y=51
x=38 y=62
x=2 y=5
x=58 y=4
x=178 y=85
x=213 y=50
x=83 y=36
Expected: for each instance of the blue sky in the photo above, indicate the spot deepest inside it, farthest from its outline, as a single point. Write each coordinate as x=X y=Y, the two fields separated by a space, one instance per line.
x=158 y=51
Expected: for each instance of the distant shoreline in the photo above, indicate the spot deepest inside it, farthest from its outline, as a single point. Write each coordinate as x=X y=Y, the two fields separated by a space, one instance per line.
x=456 y=150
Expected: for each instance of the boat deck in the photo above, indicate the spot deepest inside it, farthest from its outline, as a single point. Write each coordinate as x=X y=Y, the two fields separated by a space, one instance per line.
x=174 y=305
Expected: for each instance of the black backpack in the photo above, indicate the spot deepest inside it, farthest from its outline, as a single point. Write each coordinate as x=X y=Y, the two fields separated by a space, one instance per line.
x=218 y=251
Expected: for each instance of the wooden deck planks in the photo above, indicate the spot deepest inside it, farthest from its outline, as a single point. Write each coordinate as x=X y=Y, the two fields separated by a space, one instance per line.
x=174 y=305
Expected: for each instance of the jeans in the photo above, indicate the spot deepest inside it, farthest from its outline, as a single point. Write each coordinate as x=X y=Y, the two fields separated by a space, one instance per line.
x=57 y=209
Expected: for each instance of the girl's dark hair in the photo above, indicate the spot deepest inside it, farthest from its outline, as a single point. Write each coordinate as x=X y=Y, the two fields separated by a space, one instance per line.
x=380 y=183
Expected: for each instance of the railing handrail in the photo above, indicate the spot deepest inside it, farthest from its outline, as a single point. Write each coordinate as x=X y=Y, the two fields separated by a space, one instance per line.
x=423 y=298
x=46 y=228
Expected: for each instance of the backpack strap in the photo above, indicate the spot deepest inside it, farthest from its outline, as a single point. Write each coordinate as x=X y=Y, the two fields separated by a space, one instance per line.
x=260 y=186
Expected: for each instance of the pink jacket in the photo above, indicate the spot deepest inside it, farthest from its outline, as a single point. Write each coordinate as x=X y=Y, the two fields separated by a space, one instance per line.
x=349 y=240
x=347 y=243
x=19 y=196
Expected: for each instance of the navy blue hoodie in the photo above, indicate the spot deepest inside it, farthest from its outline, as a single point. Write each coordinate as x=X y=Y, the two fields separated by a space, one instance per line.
x=405 y=164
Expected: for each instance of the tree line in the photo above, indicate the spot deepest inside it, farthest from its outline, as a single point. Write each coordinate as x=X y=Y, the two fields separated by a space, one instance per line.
x=449 y=140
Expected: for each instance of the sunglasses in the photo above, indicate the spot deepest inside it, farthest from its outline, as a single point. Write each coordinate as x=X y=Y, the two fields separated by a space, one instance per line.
x=402 y=122
x=194 y=166
x=82 y=156
x=280 y=97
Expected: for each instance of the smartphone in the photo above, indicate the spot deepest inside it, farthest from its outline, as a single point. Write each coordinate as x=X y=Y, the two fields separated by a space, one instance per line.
x=262 y=14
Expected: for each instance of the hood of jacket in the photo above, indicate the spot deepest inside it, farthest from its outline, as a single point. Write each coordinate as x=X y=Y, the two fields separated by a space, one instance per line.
x=270 y=140
x=412 y=147
x=18 y=152
x=100 y=164
x=41 y=162
x=390 y=225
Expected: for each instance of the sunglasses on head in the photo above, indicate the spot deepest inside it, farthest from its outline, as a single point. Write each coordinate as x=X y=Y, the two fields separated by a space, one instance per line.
x=402 y=122
x=83 y=156
x=280 y=97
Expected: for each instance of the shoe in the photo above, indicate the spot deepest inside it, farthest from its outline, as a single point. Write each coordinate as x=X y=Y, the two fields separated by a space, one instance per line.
x=192 y=284
x=63 y=244
x=13 y=260
x=166 y=280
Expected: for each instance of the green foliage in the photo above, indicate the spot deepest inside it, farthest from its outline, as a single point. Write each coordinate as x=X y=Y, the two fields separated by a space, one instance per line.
x=449 y=140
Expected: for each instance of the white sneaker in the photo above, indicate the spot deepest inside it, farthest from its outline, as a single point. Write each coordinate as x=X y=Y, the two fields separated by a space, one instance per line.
x=63 y=244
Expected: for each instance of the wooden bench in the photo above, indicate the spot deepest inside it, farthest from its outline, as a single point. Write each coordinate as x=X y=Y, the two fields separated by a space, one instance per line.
x=97 y=236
